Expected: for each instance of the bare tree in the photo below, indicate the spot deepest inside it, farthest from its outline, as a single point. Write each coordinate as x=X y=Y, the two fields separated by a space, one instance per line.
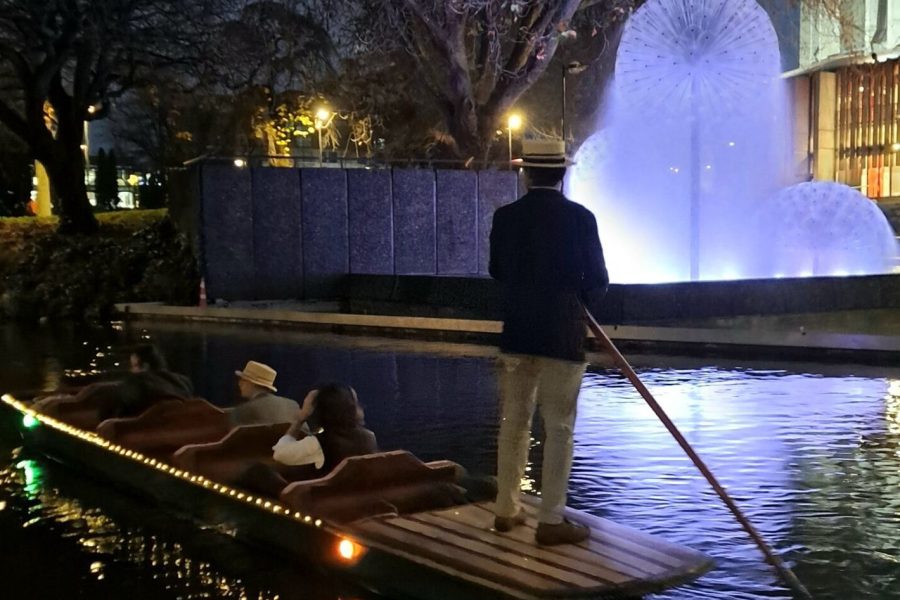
x=477 y=57
x=73 y=57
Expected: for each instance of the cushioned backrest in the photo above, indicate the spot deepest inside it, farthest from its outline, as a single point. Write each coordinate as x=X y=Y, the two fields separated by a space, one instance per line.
x=82 y=410
x=167 y=426
x=363 y=484
x=224 y=460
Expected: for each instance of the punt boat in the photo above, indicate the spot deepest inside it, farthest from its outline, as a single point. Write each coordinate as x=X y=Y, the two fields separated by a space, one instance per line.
x=395 y=525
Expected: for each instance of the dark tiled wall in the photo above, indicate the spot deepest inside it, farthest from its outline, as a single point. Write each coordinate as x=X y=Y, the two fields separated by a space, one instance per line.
x=324 y=230
x=272 y=233
x=414 y=222
x=277 y=247
x=227 y=232
x=457 y=232
x=371 y=221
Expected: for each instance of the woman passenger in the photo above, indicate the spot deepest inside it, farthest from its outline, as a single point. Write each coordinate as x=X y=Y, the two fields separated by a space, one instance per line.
x=333 y=411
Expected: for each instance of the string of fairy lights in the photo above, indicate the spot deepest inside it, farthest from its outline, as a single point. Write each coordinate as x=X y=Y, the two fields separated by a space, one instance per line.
x=33 y=417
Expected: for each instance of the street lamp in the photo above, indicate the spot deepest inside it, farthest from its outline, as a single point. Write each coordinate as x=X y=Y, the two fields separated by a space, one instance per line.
x=573 y=68
x=85 y=146
x=514 y=121
x=323 y=118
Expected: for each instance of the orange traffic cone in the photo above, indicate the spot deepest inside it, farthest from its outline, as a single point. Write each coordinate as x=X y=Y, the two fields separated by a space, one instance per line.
x=202 y=303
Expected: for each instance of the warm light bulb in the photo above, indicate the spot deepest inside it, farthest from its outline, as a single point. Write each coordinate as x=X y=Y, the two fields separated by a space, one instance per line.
x=322 y=114
x=514 y=121
x=346 y=549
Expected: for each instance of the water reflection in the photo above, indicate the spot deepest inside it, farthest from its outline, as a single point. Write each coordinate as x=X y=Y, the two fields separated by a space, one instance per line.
x=812 y=456
x=117 y=542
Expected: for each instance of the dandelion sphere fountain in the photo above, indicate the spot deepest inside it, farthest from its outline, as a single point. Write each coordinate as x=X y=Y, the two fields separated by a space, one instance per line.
x=694 y=142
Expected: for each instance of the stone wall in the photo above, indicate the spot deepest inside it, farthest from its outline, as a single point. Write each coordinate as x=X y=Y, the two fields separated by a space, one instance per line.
x=479 y=298
x=272 y=233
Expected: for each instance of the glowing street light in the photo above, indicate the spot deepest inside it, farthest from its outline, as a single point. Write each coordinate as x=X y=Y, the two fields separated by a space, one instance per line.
x=323 y=118
x=514 y=121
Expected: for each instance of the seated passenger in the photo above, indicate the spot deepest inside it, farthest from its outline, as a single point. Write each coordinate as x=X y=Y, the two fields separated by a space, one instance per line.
x=335 y=408
x=149 y=382
x=258 y=404
x=335 y=411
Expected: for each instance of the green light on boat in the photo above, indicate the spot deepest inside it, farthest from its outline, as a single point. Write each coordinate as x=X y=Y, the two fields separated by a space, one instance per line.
x=29 y=422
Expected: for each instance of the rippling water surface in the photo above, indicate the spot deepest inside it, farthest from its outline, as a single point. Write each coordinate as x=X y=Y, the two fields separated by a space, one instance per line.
x=811 y=454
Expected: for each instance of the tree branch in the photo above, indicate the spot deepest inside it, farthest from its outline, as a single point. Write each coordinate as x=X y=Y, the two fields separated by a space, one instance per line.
x=13 y=121
x=21 y=66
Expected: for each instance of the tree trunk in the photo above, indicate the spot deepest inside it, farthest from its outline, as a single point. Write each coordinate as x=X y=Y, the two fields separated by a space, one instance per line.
x=474 y=135
x=66 y=172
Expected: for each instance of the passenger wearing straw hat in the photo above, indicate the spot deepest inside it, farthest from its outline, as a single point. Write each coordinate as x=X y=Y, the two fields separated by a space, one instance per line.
x=259 y=405
x=546 y=253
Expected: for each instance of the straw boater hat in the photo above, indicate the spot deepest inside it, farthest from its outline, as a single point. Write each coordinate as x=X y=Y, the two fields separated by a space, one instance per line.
x=543 y=153
x=260 y=374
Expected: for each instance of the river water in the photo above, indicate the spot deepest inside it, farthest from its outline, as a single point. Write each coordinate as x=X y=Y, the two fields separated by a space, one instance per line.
x=810 y=452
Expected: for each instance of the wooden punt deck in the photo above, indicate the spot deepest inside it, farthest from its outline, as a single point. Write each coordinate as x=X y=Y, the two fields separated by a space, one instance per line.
x=616 y=562
x=434 y=554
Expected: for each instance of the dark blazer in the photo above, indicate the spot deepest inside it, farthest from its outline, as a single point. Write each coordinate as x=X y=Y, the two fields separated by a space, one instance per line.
x=546 y=253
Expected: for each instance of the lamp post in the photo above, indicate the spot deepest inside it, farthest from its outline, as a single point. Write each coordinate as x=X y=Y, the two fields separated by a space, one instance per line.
x=514 y=121
x=574 y=68
x=323 y=118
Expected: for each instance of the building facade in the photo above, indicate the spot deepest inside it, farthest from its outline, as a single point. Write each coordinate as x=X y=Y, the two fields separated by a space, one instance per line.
x=846 y=94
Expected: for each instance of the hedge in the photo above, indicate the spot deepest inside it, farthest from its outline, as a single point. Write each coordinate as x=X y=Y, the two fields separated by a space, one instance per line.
x=137 y=256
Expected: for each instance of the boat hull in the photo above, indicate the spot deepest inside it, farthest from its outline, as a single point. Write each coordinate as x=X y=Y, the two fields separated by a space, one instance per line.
x=380 y=565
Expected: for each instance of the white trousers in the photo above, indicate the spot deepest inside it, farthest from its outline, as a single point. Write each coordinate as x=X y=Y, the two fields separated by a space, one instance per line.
x=553 y=384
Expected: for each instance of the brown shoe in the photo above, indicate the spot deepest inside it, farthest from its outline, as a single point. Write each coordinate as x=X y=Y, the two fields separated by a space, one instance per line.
x=566 y=532
x=504 y=524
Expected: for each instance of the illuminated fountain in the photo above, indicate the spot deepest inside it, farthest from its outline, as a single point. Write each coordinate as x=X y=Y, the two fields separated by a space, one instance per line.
x=684 y=177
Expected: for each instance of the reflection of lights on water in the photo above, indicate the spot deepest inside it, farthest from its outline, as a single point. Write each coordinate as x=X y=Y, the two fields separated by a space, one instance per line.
x=894 y=387
x=33 y=475
x=97 y=569
x=109 y=541
x=30 y=469
x=892 y=406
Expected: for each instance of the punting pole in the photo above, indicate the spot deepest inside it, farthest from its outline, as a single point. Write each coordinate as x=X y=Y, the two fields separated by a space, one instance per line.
x=783 y=571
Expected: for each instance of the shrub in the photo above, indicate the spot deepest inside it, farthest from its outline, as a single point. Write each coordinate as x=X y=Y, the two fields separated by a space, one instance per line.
x=138 y=256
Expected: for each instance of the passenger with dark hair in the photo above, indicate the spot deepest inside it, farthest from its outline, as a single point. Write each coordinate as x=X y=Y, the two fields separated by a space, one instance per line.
x=146 y=357
x=150 y=381
x=336 y=416
x=335 y=412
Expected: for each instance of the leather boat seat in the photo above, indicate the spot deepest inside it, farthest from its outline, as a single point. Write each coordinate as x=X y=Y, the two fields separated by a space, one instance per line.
x=227 y=459
x=375 y=484
x=167 y=426
x=81 y=410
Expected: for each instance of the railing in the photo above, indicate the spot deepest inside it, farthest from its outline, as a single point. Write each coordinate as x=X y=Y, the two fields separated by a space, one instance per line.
x=334 y=161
